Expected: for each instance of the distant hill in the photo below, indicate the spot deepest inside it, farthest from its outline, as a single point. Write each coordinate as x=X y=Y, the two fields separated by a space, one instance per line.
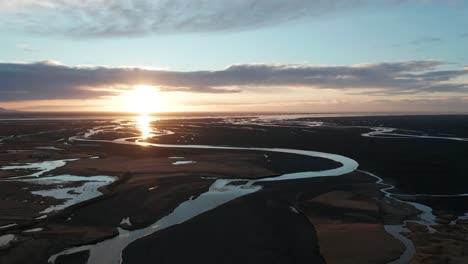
x=3 y=110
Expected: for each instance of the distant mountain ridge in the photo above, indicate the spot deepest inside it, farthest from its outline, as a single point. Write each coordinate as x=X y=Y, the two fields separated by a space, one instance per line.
x=6 y=110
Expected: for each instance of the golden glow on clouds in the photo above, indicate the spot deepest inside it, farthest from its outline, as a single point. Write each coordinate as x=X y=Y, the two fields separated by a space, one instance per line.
x=144 y=100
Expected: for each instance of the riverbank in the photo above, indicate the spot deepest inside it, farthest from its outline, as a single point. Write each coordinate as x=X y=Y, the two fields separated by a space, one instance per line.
x=301 y=220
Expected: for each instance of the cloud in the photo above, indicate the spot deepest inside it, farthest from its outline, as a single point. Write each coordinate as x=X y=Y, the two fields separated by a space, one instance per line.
x=103 y=18
x=27 y=48
x=53 y=80
x=438 y=104
x=426 y=40
x=420 y=42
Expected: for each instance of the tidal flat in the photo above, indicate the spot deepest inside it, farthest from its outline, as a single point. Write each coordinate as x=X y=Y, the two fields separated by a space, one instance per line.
x=231 y=189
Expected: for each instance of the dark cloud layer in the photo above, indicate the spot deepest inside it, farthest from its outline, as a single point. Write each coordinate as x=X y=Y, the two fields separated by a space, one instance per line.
x=51 y=80
x=100 y=18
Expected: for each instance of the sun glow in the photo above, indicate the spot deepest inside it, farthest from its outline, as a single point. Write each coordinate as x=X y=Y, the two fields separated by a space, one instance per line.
x=144 y=125
x=143 y=100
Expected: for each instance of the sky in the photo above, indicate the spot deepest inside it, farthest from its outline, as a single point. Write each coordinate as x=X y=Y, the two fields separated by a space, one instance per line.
x=244 y=55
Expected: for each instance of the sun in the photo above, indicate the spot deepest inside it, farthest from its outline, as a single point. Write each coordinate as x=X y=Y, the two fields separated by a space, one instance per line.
x=143 y=99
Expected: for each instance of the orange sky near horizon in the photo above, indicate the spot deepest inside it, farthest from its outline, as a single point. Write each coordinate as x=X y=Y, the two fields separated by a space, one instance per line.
x=147 y=99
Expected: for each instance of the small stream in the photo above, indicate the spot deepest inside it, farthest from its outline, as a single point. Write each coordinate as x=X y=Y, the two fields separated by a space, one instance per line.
x=56 y=186
x=219 y=193
x=223 y=192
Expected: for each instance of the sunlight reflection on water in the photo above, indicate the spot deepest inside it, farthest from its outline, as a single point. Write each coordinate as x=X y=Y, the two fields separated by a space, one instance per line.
x=144 y=125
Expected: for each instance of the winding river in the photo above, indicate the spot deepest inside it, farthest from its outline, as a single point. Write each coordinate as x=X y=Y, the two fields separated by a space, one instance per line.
x=219 y=193
x=223 y=191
